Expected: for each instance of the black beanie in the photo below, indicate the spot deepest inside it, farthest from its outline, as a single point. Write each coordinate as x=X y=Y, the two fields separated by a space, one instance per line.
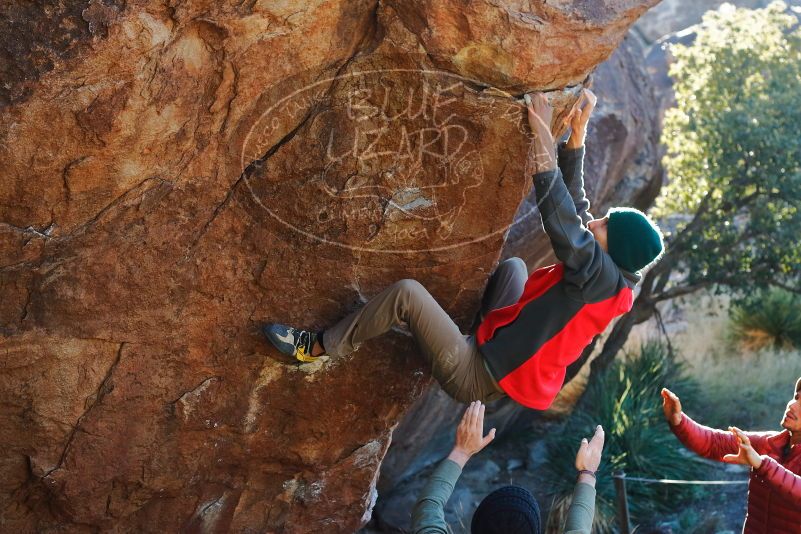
x=508 y=510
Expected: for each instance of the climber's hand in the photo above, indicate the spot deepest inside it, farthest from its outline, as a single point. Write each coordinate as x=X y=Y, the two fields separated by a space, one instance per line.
x=469 y=438
x=540 y=113
x=579 y=117
x=671 y=405
x=542 y=154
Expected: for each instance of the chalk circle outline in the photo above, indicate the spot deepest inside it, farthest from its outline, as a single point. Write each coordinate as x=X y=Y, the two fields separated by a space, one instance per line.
x=314 y=237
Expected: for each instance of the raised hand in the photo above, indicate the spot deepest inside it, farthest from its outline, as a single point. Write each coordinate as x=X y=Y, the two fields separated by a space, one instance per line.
x=579 y=117
x=746 y=455
x=589 y=454
x=671 y=405
x=542 y=154
x=540 y=113
x=469 y=434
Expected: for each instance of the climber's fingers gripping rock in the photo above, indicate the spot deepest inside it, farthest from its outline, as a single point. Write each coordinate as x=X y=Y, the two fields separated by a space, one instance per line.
x=542 y=154
x=579 y=117
x=540 y=114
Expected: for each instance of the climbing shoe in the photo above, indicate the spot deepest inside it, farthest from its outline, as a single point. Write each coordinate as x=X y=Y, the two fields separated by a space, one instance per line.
x=291 y=341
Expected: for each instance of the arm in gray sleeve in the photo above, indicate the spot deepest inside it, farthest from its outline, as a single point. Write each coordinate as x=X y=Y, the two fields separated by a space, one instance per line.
x=428 y=516
x=573 y=244
x=581 y=511
x=571 y=163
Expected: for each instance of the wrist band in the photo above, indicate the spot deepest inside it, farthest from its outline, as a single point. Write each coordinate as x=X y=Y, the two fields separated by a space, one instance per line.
x=588 y=472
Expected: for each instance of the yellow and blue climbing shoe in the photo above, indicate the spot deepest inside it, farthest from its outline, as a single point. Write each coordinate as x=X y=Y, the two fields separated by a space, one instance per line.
x=291 y=341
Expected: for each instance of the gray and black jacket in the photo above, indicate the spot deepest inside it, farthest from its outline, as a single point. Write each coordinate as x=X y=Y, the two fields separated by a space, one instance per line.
x=528 y=345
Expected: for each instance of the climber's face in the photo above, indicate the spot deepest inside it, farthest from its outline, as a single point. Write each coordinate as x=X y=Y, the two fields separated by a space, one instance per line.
x=792 y=414
x=598 y=228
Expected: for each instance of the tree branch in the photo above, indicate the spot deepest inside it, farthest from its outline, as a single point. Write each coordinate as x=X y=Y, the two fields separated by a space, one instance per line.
x=678 y=291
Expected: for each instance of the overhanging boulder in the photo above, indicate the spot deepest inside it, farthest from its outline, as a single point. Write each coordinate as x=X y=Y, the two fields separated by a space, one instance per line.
x=173 y=175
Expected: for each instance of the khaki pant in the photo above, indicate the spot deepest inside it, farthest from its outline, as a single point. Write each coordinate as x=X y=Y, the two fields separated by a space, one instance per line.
x=455 y=360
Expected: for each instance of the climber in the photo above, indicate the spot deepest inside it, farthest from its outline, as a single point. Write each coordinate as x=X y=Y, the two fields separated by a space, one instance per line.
x=510 y=509
x=529 y=328
x=774 y=488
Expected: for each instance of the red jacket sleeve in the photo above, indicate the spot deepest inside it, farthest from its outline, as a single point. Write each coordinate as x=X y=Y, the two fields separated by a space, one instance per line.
x=712 y=443
x=781 y=479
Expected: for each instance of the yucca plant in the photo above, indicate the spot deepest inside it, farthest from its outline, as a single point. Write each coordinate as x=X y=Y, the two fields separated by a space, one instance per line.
x=769 y=319
x=626 y=400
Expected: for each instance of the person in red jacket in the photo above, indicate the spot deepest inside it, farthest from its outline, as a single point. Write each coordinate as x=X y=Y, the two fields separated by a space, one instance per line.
x=774 y=488
x=530 y=327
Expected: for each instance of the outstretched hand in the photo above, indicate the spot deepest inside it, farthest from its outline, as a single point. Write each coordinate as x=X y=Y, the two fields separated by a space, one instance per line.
x=469 y=433
x=671 y=405
x=588 y=457
x=589 y=453
x=746 y=455
x=579 y=117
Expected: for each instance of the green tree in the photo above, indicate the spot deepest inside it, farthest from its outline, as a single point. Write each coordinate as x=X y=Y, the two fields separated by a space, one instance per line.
x=734 y=165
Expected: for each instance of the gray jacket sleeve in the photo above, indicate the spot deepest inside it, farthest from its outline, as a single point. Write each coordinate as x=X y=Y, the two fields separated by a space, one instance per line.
x=587 y=267
x=428 y=516
x=571 y=163
x=581 y=511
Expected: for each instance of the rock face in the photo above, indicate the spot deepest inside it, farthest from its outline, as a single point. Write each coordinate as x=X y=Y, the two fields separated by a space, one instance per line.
x=174 y=174
x=622 y=167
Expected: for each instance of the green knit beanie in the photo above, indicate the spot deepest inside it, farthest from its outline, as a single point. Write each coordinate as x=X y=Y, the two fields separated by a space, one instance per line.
x=634 y=240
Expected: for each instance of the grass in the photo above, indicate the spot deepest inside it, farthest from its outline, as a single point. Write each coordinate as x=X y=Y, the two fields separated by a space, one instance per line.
x=748 y=390
x=768 y=319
